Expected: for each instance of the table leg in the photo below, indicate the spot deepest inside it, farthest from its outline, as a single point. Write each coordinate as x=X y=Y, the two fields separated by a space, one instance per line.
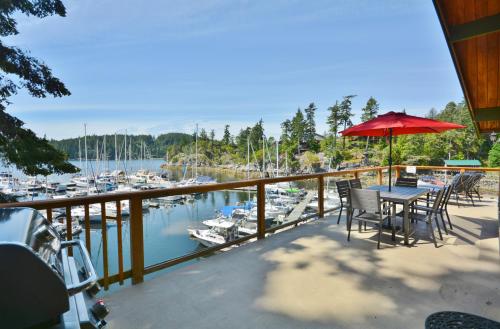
x=406 y=222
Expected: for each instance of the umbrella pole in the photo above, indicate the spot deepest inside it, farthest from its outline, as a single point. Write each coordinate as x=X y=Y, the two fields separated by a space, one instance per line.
x=390 y=158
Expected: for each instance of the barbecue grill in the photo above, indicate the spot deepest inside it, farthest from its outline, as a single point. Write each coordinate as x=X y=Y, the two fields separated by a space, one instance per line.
x=42 y=285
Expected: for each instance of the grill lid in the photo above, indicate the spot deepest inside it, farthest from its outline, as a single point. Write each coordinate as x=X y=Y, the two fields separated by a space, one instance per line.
x=26 y=226
x=16 y=224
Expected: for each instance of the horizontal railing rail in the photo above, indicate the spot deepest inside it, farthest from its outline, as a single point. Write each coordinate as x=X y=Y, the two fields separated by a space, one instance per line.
x=137 y=268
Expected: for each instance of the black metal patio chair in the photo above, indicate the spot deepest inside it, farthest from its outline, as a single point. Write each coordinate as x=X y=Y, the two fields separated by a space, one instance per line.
x=460 y=185
x=472 y=186
x=442 y=209
x=355 y=183
x=343 y=191
x=406 y=182
x=431 y=214
x=368 y=203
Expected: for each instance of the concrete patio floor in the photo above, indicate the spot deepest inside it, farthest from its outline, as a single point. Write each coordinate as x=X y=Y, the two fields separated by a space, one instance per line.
x=311 y=277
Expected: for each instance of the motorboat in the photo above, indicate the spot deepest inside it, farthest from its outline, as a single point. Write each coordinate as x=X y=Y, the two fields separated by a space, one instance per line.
x=208 y=237
x=219 y=233
x=82 y=181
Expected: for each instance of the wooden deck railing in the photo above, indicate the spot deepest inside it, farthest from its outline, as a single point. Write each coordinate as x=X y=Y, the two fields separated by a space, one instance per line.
x=137 y=268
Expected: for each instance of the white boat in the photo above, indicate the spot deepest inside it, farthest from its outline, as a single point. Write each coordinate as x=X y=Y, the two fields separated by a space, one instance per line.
x=208 y=237
x=94 y=213
x=77 y=193
x=111 y=208
x=61 y=228
x=82 y=181
x=328 y=203
x=172 y=198
x=220 y=232
x=14 y=192
x=243 y=227
x=271 y=212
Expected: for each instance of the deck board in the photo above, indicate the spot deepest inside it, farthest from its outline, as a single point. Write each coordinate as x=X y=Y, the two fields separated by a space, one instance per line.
x=310 y=277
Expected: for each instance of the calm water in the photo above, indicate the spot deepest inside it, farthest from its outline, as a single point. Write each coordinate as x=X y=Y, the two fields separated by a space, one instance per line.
x=165 y=228
x=132 y=166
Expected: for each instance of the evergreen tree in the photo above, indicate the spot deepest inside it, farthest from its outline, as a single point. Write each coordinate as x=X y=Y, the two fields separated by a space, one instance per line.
x=203 y=135
x=212 y=139
x=242 y=140
x=256 y=134
x=346 y=114
x=18 y=145
x=297 y=126
x=310 y=128
x=334 y=120
x=286 y=130
x=226 y=139
x=432 y=113
x=494 y=156
x=370 y=110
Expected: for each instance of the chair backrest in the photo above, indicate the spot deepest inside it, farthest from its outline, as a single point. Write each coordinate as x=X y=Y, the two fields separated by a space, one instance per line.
x=458 y=183
x=406 y=181
x=355 y=183
x=473 y=180
x=343 y=188
x=437 y=200
x=367 y=200
x=446 y=196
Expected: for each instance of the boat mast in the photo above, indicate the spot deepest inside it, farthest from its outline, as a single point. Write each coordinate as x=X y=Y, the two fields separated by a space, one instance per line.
x=85 y=145
x=130 y=149
x=80 y=152
x=97 y=155
x=248 y=165
x=125 y=151
x=196 y=152
x=105 y=155
x=248 y=158
x=116 y=155
x=86 y=157
x=263 y=156
x=277 y=158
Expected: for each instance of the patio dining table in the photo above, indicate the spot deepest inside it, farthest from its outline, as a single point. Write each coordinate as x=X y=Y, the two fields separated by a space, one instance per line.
x=402 y=195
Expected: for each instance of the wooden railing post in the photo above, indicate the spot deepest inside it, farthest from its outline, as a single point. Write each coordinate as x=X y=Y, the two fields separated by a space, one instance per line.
x=69 y=229
x=49 y=215
x=87 y=228
x=380 y=176
x=261 y=211
x=356 y=175
x=398 y=171
x=321 y=197
x=136 y=240
x=119 y=238
x=104 y=233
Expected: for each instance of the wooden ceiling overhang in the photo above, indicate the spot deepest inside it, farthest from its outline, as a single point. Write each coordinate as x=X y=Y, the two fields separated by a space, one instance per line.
x=472 y=31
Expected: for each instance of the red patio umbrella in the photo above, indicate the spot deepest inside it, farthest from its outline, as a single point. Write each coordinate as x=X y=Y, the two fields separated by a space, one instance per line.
x=398 y=123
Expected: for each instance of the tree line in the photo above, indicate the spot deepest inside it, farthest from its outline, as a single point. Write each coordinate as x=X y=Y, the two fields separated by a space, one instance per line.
x=300 y=142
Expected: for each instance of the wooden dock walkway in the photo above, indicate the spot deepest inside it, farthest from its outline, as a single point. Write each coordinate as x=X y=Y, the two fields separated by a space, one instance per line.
x=299 y=209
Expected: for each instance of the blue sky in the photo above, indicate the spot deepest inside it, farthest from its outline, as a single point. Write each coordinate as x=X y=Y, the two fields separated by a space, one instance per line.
x=171 y=64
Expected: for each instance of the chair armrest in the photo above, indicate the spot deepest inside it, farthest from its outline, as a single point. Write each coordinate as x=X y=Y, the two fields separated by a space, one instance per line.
x=424 y=208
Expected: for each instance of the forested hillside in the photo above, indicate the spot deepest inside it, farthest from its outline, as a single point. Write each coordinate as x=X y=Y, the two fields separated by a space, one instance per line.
x=300 y=145
x=153 y=147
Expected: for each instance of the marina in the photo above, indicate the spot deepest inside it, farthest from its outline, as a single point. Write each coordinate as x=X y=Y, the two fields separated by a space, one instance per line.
x=173 y=225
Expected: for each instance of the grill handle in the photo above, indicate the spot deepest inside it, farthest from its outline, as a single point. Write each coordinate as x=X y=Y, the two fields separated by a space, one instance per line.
x=89 y=268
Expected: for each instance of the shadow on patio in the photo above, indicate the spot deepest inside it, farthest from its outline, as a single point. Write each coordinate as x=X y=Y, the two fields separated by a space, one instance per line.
x=310 y=276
